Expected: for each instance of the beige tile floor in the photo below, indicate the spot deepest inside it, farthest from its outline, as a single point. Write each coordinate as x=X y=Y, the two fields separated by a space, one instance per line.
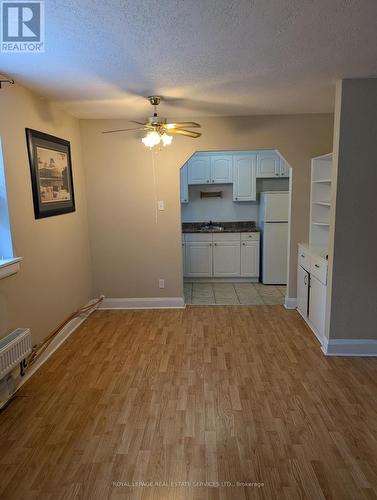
x=233 y=293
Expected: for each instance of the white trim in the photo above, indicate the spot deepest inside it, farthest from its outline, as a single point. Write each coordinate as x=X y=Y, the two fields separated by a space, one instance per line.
x=290 y=303
x=350 y=347
x=143 y=303
x=60 y=338
x=9 y=266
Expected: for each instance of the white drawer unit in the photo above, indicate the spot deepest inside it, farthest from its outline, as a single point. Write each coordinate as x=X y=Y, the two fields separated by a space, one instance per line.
x=304 y=258
x=250 y=236
x=318 y=268
x=226 y=237
x=198 y=237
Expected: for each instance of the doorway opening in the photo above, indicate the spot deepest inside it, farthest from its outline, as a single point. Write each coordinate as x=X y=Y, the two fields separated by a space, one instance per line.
x=235 y=216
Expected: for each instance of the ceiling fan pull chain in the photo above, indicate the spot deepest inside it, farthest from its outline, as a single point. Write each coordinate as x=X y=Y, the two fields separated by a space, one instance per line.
x=154 y=185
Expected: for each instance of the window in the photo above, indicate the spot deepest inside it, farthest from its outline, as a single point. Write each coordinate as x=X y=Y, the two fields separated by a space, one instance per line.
x=8 y=263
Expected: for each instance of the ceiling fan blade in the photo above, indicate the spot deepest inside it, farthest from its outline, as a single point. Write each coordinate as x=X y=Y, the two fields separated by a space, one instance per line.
x=123 y=130
x=183 y=125
x=138 y=123
x=187 y=133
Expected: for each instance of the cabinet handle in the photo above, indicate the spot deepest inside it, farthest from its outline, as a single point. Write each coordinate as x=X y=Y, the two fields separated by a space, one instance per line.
x=213 y=181
x=210 y=244
x=303 y=256
x=243 y=244
x=236 y=198
x=276 y=174
x=207 y=180
x=215 y=244
x=316 y=265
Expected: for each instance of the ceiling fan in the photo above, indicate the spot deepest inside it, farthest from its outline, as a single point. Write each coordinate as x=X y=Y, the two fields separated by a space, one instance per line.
x=158 y=129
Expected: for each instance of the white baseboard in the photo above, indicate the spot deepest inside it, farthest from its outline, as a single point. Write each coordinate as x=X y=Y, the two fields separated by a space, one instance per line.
x=290 y=303
x=350 y=347
x=144 y=303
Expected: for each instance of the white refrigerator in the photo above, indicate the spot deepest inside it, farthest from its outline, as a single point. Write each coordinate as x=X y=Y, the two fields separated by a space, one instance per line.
x=273 y=223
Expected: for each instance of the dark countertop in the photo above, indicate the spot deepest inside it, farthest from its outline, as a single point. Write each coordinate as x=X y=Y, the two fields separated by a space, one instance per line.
x=229 y=227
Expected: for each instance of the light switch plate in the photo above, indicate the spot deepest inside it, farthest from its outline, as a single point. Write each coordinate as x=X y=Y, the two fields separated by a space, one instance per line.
x=161 y=205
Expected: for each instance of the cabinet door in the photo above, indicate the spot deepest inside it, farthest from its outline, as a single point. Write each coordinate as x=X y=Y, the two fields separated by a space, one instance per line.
x=268 y=164
x=222 y=169
x=184 y=258
x=226 y=258
x=244 y=182
x=184 y=184
x=284 y=168
x=317 y=306
x=302 y=291
x=250 y=258
x=198 y=259
x=199 y=169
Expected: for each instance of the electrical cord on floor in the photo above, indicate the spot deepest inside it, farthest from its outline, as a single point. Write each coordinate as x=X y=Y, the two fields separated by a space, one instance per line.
x=40 y=348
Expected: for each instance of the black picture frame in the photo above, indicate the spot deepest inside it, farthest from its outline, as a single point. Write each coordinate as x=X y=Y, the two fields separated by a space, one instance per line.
x=51 y=174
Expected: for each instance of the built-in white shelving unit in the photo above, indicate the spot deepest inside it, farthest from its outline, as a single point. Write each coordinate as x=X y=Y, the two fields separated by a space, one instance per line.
x=320 y=202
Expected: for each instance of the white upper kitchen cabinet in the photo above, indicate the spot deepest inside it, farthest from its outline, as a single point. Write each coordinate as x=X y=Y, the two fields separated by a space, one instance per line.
x=199 y=169
x=198 y=259
x=268 y=164
x=222 y=169
x=250 y=259
x=244 y=181
x=184 y=183
x=284 y=168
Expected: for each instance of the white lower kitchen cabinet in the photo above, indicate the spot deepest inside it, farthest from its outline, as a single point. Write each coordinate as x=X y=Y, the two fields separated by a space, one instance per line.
x=302 y=291
x=311 y=289
x=250 y=259
x=226 y=258
x=198 y=259
x=317 y=306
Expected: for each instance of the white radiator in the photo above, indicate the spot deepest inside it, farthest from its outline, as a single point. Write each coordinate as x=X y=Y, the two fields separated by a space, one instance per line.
x=13 y=349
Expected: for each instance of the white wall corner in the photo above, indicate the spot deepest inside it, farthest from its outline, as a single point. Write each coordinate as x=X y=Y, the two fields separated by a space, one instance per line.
x=349 y=347
x=290 y=303
x=143 y=303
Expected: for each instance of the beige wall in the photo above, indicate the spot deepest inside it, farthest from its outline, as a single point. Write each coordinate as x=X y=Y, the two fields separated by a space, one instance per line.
x=353 y=245
x=55 y=276
x=130 y=251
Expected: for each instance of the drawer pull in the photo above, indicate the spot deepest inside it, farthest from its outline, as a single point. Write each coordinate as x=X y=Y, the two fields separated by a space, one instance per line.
x=316 y=265
x=303 y=256
x=243 y=244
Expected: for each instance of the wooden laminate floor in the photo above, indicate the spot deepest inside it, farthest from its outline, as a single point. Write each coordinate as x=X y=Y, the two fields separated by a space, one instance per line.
x=190 y=403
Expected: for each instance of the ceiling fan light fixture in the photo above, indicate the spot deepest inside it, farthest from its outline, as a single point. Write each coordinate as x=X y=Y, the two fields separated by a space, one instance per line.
x=166 y=139
x=151 y=139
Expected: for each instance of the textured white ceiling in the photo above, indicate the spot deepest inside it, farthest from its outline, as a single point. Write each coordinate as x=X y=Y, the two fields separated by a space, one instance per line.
x=209 y=57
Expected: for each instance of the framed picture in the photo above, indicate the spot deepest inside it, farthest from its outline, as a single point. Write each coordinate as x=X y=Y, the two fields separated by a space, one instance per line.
x=51 y=174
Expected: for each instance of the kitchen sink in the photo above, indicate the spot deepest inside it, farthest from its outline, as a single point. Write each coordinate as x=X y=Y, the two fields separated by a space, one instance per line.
x=212 y=228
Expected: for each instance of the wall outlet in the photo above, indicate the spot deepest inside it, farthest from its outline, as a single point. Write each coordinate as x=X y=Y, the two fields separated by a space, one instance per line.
x=161 y=283
x=161 y=205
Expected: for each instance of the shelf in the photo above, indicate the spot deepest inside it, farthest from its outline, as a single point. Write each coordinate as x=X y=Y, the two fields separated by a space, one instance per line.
x=322 y=203
x=322 y=181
